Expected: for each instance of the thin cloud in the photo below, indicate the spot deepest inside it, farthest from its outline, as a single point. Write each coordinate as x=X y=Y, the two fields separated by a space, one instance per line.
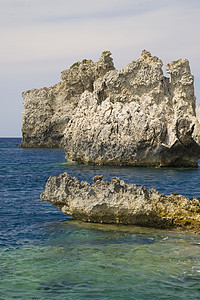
x=40 y=38
x=153 y=30
x=21 y=11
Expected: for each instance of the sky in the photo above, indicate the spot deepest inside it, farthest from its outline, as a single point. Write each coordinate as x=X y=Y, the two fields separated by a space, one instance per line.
x=40 y=38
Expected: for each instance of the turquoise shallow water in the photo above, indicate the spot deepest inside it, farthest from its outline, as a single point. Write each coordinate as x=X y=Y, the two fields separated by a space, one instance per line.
x=44 y=254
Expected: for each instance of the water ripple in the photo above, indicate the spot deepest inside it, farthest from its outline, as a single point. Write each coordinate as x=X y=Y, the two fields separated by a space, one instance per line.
x=45 y=254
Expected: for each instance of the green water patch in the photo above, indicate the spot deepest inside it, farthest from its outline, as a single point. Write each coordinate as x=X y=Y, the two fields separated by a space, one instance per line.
x=103 y=262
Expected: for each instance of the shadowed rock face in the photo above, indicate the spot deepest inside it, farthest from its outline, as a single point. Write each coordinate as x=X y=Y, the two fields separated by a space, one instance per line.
x=117 y=202
x=132 y=116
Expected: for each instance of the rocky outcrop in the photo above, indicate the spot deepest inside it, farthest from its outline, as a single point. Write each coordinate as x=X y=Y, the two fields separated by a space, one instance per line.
x=132 y=116
x=118 y=202
x=47 y=111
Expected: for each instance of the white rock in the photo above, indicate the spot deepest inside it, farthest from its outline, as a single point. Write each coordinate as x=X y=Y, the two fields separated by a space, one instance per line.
x=132 y=116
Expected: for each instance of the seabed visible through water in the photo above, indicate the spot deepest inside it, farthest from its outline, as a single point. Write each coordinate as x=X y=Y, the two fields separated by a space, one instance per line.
x=44 y=254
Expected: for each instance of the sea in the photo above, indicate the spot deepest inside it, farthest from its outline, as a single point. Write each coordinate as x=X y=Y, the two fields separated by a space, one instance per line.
x=45 y=254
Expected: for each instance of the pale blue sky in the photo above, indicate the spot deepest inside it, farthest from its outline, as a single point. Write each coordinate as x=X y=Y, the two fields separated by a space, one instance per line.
x=40 y=38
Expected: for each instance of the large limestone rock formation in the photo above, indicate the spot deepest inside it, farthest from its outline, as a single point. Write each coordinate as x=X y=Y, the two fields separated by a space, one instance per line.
x=132 y=116
x=48 y=110
x=117 y=202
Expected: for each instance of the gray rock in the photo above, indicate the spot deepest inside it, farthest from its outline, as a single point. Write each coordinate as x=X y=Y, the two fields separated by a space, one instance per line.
x=132 y=116
x=118 y=202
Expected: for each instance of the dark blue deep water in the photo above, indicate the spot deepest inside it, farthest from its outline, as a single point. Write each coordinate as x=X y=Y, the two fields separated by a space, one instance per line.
x=45 y=254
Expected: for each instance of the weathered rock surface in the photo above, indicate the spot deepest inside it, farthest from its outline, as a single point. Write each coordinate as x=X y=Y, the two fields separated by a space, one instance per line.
x=118 y=202
x=132 y=116
x=198 y=112
x=48 y=110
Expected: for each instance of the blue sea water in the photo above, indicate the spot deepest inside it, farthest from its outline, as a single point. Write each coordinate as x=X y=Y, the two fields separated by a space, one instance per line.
x=45 y=254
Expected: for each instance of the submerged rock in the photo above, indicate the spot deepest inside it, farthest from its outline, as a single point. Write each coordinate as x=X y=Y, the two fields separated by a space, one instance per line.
x=118 y=202
x=132 y=116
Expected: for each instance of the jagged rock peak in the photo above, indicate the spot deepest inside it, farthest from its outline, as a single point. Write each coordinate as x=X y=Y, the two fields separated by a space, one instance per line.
x=47 y=110
x=118 y=202
x=95 y=69
x=132 y=116
x=146 y=56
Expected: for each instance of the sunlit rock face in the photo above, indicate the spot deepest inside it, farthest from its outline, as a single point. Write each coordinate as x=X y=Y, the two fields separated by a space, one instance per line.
x=198 y=112
x=121 y=203
x=132 y=116
x=48 y=110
